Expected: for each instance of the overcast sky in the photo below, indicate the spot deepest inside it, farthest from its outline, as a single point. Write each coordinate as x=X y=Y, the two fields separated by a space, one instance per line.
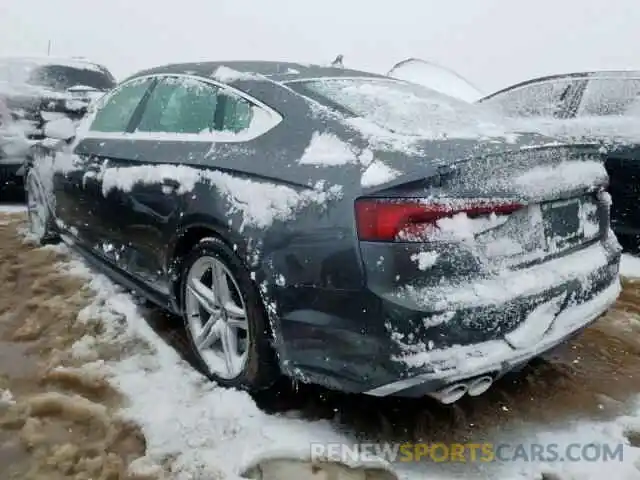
x=493 y=43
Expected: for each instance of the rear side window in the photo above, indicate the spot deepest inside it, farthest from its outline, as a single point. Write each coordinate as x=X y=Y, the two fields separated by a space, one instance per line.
x=610 y=96
x=238 y=114
x=179 y=105
x=115 y=111
x=545 y=99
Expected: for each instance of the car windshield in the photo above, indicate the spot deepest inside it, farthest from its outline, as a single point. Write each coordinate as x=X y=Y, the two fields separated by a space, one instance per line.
x=54 y=76
x=403 y=107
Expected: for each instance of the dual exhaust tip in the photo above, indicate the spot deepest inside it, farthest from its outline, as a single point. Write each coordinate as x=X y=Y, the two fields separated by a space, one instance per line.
x=456 y=391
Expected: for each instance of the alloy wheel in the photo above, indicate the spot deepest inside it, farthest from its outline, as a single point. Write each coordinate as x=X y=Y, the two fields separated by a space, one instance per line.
x=217 y=317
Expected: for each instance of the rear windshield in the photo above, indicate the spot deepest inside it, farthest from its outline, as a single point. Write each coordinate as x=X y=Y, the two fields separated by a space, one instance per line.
x=60 y=77
x=397 y=106
x=55 y=77
x=611 y=96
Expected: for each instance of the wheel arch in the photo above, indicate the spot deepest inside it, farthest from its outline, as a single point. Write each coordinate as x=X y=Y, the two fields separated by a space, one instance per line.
x=186 y=236
x=189 y=234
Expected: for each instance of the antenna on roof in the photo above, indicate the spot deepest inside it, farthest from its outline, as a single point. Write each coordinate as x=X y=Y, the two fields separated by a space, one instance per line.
x=49 y=48
x=338 y=61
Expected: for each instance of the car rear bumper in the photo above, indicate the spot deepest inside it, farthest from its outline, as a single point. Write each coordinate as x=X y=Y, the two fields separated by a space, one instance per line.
x=497 y=357
x=376 y=346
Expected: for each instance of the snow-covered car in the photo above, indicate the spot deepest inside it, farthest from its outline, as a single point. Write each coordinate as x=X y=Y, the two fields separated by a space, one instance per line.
x=435 y=77
x=13 y=148
x=37 y=90
x=341 y=227
x=592 y=106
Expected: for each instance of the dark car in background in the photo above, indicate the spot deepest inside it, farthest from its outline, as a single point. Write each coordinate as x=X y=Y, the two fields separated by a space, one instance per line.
x=344 y=228
x=592 y=106
x=37 y=90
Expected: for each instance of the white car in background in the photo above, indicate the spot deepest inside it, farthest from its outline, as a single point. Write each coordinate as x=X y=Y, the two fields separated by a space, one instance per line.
x=436 y=77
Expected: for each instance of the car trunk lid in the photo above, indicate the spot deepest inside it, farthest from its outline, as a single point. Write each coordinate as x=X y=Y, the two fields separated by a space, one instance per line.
x=496 y=211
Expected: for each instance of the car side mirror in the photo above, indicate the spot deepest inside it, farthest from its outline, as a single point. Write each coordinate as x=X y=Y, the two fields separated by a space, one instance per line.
x=60 y=129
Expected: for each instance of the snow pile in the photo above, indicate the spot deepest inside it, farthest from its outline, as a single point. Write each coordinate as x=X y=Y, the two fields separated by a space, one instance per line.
x=630 y=266
x=6 y=398
x=509 y=284
x=276 y=202
x=125 y=178
x=549 y=180
x=462 y=227
x=326 y=149
x=378 y=173
x=226 y=74
x=435 y=77
x=35 y=61
x=425 y=260
x=12 y=209
x=208 y=431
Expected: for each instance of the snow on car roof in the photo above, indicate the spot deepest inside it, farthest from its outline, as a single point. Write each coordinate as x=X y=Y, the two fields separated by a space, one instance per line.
x=281 y=72
x=61 y=61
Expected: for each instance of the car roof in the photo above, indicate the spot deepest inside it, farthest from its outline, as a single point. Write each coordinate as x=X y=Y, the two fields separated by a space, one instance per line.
x=281 y=72
x=618 y=74
x=73 y=62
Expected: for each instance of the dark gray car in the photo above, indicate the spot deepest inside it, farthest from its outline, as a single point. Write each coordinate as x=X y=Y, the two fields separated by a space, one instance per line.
x=340 y=227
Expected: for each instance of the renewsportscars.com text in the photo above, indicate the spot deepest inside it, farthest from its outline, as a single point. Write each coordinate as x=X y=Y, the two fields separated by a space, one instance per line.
x=472 y=452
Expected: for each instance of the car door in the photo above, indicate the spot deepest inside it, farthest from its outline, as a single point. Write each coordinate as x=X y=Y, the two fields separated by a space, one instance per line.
x=79 y=198
x=77 y=167
x=145 y=188
x=174 y=135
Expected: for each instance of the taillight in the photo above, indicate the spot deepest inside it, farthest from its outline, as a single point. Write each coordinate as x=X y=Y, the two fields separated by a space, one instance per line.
x=384 y=219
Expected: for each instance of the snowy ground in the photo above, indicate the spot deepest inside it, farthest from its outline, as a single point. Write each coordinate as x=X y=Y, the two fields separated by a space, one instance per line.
x=12 y=208
x=220 y=430
x=209 y=432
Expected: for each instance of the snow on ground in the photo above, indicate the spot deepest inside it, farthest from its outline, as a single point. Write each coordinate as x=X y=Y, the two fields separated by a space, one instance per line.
x=12 y=208
x=630 y=266
x=212 y=431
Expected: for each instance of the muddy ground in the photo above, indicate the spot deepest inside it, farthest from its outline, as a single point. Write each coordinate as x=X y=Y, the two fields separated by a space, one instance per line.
x=60 y=424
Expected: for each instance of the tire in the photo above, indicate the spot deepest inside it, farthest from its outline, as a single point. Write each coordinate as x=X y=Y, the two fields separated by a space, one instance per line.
x=41 y=224
x=256 y=369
